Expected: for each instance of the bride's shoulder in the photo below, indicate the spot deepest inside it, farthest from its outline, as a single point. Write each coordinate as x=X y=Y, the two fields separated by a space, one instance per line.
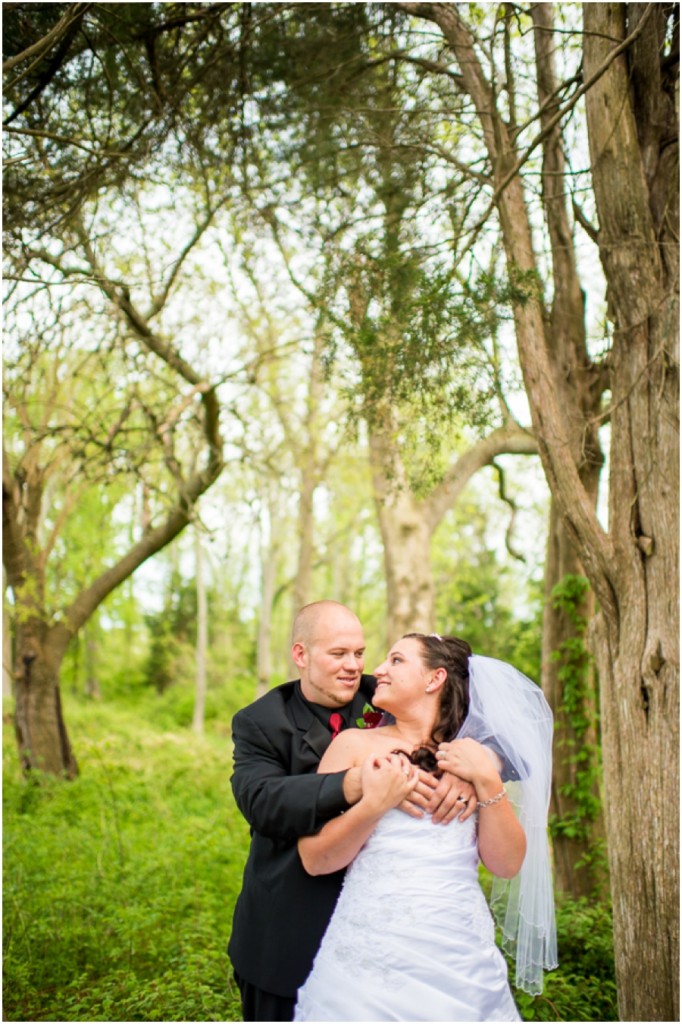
x=351 y=739
x=368 y=737
x=351 y=746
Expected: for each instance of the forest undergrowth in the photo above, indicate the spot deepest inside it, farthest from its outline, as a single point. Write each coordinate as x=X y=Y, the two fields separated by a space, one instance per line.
x=119 y=887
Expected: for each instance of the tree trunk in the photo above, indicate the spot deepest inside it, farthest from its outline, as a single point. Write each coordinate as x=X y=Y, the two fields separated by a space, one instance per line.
x=570 y=688
x=303 y=581
x=202 y=637
x=577 y=818
x=7 y=661
x=270 y=549
x=632 y=124
x=407 y=557
x=39 y=723
x=264 y=654
x=90 y=631
x=408 y=524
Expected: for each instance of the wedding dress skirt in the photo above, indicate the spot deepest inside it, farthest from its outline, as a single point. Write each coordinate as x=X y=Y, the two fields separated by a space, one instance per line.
x=411 y=938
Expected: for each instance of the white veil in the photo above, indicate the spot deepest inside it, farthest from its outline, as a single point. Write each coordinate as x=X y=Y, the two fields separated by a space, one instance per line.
x=509 y=713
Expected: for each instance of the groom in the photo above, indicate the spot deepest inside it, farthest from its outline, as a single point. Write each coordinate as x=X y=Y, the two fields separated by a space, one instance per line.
x=282 y=913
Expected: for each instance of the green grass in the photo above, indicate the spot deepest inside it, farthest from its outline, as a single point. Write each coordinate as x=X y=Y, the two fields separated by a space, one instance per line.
x=119 y=886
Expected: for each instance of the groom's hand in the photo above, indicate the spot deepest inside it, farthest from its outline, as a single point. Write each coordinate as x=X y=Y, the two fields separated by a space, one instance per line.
x=444 y=799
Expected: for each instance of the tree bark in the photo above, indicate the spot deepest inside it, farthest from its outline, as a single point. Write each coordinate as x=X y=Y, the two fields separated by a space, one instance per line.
x=576 y=801
x=7 y=660
x=39 y=723
x=578 y=826
x=632 y=125
x=406 y=538
x=270 y=550
x=202 y=637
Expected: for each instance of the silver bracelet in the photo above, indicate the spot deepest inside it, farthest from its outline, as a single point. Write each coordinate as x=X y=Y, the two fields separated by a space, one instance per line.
x=493 y=799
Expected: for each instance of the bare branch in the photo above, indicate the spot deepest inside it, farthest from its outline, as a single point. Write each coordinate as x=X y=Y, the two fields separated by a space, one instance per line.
x=585 y=224
x=508 y=500
x=508 y=439
x=431 y=13
x=46 y=42
x=64 y=140
x=160 y=300
x=189 y=486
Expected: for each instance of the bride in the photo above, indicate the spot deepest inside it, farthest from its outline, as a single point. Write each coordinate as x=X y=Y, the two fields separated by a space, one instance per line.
x=411 y=937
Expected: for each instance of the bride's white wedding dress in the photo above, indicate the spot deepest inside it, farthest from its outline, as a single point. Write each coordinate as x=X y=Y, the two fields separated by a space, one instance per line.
x=411 y=938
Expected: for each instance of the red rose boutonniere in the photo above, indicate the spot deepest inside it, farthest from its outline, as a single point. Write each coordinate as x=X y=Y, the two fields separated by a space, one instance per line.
x=370 y=718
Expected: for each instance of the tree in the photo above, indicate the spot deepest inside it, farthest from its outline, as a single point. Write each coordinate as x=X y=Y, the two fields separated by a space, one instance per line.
x=577 y=821
x=171 y=416
x=202 y=636
x=96 y=95
x=296 y=443
x=271 y=546
x=291 y=377
x=406 y=340
x=7 y=666
x=630 y=75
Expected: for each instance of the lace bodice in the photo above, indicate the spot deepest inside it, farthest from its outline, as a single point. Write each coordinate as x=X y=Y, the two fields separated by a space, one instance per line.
x=410 y=931
x=405 y=867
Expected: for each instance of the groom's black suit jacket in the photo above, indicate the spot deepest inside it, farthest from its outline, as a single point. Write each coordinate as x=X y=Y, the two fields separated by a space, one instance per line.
x=282 y=912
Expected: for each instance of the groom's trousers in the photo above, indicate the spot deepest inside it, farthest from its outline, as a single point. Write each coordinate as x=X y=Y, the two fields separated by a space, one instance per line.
x=258 y=1005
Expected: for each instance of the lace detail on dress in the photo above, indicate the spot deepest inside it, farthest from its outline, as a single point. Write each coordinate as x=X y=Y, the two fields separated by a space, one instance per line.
x=481 y=919
x=371 y=906
x=411 y=937
x=374 y=887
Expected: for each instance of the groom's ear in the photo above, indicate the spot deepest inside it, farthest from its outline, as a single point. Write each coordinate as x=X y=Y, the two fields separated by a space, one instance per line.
x=298 y=654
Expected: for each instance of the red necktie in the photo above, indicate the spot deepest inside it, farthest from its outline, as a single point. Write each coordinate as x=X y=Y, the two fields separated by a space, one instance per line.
x=335 y=723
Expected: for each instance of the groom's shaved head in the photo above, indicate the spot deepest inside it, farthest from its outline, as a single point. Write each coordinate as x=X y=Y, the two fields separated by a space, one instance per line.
x=308 y=622
x=328 y=646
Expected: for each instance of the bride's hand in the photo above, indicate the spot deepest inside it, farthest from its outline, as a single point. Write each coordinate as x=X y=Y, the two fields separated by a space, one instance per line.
x=386 y=781
x=468 y=759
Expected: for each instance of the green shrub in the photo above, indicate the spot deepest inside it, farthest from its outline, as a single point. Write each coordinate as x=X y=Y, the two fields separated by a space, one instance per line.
x=119 y=887
x=583 y=986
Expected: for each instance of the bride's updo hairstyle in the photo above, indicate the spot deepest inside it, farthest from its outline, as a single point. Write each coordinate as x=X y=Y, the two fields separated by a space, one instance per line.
x=452 y=654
